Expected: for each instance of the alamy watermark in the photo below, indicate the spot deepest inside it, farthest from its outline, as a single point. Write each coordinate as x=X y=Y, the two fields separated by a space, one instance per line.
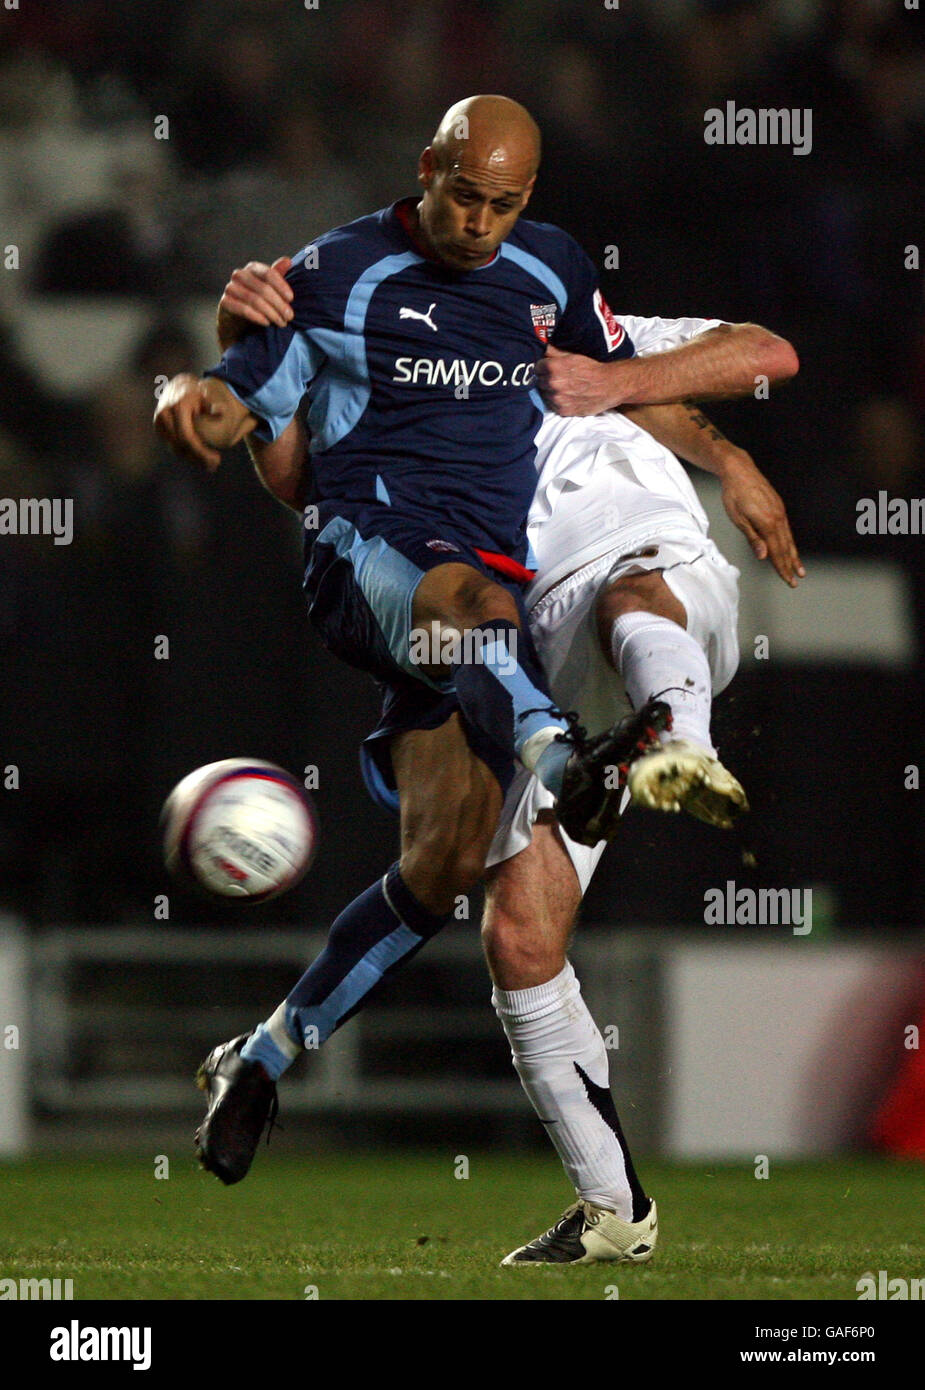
x=36 y=1290
x=86 y=1343
x=890 y=516
x=38 y=516
x=759 y=907
x=881 y=1286
x=440 y=645
x=741 y=125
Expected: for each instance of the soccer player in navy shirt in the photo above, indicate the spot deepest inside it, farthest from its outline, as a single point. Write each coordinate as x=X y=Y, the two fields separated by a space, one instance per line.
x=415 y=334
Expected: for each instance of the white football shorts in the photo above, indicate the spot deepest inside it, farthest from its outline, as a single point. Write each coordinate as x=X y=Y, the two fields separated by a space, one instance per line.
x=651 y=526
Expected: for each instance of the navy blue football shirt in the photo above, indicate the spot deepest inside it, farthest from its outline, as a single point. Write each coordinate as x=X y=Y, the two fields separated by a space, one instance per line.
x=420 y=378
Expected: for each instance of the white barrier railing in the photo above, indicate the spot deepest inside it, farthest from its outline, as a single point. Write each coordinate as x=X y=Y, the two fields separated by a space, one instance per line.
x=91 y=1035
x=14 y=1038
x=720 y=1045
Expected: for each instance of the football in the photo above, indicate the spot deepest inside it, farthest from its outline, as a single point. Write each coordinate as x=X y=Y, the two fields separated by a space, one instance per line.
x=240 y=828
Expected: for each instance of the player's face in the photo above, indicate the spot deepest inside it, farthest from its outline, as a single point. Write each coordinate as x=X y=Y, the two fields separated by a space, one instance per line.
x=469 y=207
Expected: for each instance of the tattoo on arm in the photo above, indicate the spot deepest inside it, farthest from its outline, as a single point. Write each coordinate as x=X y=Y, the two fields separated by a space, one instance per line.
x=701 y=421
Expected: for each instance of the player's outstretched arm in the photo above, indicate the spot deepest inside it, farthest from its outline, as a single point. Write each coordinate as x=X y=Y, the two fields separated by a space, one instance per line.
x=750 y=500
x=198 y=418
x=724 y=362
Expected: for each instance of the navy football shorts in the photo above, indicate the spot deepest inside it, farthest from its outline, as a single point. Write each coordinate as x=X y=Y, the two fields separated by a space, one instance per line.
x=360 y=584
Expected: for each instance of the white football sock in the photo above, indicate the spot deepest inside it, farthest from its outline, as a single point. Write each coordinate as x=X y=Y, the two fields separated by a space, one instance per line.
x=552 y=1033
x=657 y=657
x=275 y=1026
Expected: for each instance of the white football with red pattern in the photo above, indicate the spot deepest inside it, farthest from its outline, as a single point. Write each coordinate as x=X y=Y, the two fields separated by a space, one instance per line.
x=240 y=828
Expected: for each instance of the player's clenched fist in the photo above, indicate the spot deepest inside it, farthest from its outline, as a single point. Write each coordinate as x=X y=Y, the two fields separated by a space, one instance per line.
x=197 y=417
x=574 y=385
x=182 y=401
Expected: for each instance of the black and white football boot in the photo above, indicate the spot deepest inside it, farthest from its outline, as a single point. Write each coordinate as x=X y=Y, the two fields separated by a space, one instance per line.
x=242 y=1101
x=586 y=1234
x=588 y=808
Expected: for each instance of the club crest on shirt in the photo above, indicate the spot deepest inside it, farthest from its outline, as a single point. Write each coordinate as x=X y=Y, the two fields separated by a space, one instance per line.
x=544 y=320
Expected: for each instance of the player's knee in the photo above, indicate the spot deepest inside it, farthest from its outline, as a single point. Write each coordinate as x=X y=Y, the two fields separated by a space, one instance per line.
x=442 y=861
x=465 y=859
x=478 y=600
x=439 y=883
x=518 y=957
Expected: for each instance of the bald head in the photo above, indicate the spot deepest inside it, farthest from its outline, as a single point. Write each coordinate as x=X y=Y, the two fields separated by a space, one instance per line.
x=477 y=173
x=490 y=129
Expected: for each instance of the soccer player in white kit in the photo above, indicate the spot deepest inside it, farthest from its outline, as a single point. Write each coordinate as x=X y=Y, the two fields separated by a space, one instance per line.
x=631 y=599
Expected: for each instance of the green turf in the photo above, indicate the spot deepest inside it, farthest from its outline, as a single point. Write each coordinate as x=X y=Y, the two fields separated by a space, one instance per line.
x=405 y=1227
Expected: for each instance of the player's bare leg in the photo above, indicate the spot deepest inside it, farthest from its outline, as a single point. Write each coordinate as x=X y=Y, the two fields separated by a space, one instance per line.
x=450 y=804
x=641 y=626
x=531 y=901
x=559 y=1054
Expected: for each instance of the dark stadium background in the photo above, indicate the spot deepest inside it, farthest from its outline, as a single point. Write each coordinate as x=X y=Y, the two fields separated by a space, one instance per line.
x=283 y=121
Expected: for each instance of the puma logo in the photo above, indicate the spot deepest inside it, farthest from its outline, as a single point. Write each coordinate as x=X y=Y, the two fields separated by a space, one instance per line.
x=425 y=318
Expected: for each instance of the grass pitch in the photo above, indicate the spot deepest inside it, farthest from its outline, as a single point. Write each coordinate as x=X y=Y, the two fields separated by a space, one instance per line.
x=399 y=1226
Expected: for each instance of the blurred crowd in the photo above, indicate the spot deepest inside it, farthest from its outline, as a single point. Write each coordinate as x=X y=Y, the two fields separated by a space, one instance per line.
x=146 y=150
